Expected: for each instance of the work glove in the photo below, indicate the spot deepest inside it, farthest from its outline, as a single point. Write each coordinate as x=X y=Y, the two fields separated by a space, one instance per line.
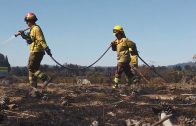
x=48 y=51
x=134 y=60
x=114 y=45
x=21 y=32
x=24 y=36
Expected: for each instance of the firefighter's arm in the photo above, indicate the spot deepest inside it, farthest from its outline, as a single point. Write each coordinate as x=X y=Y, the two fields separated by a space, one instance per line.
x=40 y=38
x=134 y=60
x=26 y=37
x=114 y=45
x=132 y=47
x=134 y=54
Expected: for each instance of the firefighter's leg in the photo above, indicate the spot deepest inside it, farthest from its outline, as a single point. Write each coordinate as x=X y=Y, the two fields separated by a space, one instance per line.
x=134 y=64
x=131 y=78
x=40 y=75
x=31 y=69
x=119 y=70
x=45 y=79
x=34 y=64
x=32 y=80
x=128 y=73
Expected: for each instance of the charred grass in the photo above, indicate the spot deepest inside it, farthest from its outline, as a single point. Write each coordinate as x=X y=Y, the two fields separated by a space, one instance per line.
x=80 y=105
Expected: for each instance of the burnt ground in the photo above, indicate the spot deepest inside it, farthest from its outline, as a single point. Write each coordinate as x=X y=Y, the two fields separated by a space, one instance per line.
x=81 y=105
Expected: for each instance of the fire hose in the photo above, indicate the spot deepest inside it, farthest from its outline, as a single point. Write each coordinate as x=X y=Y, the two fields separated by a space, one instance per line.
x=153 y=69
x=84 y=67
x=17 y=34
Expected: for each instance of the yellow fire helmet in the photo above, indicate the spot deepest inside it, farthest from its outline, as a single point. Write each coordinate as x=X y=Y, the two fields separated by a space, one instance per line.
x=116 y=29
x=30 y=17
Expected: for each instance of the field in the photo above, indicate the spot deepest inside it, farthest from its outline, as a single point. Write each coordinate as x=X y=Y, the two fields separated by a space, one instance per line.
x=62 y=104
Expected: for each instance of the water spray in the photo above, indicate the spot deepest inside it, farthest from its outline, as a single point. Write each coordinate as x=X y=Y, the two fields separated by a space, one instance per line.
x=8 y=40
x=12 y=37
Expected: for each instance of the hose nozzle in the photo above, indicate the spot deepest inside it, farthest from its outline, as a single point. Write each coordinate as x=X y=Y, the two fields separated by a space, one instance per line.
x=19 y=33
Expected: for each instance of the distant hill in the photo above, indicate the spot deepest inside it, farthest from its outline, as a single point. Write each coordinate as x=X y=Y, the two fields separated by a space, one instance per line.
x=191 y=64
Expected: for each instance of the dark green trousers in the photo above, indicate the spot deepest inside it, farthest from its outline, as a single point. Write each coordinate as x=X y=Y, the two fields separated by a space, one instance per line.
x=123 y=67
x=34 y=62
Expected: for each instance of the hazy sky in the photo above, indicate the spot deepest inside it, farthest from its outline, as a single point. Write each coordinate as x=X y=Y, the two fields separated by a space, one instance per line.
x=79 y=31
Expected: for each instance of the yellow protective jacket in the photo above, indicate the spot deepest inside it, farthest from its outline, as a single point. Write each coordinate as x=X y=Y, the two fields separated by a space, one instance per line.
x=123 y=48
x=38 y=41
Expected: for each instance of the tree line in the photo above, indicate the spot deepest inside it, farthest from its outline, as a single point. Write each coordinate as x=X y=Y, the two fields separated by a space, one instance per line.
x=174 y=74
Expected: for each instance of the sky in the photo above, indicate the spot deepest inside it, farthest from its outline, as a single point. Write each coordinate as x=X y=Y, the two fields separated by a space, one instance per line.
x=79 y=31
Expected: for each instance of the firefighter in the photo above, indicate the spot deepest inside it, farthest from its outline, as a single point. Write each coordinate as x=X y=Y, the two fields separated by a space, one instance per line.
x=126 y=55
x=37 y=45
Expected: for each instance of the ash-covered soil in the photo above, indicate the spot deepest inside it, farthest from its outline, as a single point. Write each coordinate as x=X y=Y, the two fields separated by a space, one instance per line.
x=85 y=105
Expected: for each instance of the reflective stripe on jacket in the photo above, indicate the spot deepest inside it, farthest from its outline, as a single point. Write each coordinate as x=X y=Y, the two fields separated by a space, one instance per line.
x=38 y=41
